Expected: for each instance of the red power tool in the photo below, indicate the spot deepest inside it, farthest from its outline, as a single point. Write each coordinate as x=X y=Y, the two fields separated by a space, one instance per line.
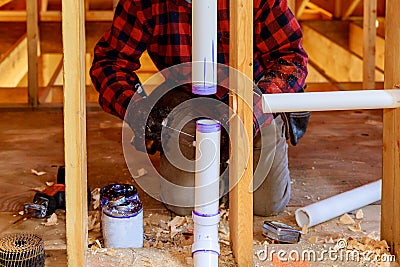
x=50 y=199
x=46 y=202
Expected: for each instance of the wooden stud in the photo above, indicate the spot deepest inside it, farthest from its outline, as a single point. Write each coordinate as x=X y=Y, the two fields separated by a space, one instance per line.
x=337 y=13
x=43 y=7
x=241 y=101
x=292 y=5
x=390 y=223
x=300 y=7
x=350 y=9
x=369 y=44
x=13 y=64
x=54 y=15
x=32 y=30
x=356 y=45
x=4 y=2
x=73 y=29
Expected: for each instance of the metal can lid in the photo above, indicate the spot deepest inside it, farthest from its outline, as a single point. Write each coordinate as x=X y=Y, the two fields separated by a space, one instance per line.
x=126 y=210
x=114 y=191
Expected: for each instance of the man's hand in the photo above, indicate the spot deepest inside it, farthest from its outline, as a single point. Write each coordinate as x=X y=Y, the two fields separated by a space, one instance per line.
x=146 y=122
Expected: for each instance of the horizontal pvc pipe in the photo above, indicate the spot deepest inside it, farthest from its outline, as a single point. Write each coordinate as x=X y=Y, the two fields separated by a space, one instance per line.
x=324 y=101
x=332 y=207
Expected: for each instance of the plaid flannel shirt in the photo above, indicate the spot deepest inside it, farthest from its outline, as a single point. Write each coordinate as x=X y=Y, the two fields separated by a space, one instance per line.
x=163 y=27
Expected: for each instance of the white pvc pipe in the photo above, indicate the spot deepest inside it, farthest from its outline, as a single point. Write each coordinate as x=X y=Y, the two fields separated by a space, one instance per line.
x=206 y=217
x=324 y=101
x=204 y=47
x=332 y=207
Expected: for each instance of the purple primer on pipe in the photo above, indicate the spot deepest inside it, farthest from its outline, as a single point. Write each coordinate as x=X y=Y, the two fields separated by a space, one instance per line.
x=204 y=89
x=205 y=215
x=208 y=126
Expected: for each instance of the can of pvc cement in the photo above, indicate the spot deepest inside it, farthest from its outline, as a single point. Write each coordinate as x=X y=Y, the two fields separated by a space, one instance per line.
x=122 y=217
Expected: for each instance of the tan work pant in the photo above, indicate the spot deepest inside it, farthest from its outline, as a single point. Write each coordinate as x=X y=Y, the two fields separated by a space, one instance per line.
x=271 y=173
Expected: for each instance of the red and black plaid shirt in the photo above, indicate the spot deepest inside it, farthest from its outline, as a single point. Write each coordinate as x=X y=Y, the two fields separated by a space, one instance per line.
x=163 y=27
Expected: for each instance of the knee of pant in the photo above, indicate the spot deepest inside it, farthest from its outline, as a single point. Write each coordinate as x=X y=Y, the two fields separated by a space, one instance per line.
x=269 y=201
x=268 y=208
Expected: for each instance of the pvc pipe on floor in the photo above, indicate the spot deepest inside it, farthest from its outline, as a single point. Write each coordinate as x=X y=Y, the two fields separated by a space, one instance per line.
x=332 y=207
x=204 y=47
x=324 y=101
x=206 y=217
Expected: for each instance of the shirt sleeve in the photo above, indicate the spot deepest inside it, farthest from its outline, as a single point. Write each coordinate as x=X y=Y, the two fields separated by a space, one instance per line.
x=278 y=49
x=116 y=57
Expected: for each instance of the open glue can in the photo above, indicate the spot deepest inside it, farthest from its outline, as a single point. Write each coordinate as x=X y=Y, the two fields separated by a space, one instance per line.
x=122 y=218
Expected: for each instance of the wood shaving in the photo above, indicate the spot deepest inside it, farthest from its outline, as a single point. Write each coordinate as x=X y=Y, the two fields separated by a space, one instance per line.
x=359 y=214
x=178 y=221
x=304 y=229
x=49 y=183
x=98 y=243
x=377 y=247
x=356 y=227
x=224 y=242
x=96 y=198
x=313 y=239
x=346 y=220
x=329 y=240
x=189 y=260
x=52 y=220
x=38 y=173
x=141 y=172
x=39 y=188
x=94 y=221
x=223 y=232
x=373 y=235
x=21 y=212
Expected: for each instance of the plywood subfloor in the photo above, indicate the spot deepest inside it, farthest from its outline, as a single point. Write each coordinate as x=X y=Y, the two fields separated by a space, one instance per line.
x=342 y=150
x=180 y=255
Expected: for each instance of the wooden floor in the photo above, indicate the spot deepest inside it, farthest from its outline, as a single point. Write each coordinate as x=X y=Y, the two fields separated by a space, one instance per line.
x=342 y=150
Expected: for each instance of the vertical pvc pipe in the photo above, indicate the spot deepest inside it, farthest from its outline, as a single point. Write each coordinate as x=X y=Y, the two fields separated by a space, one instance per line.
x=206 y=217
x=204 y=47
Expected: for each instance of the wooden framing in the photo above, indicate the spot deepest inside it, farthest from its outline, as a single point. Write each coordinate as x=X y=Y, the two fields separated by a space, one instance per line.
x=292 y=5
x=241 y=101
x=369 y=44
x=73 y=28
x=4 y=2
x=337 y=13
x=13 y=64
x=390 y=222
x=32 y=30
x=356 y=45
x=350 y=9
x=335 y=60
x=300 y=7
x=53 y=15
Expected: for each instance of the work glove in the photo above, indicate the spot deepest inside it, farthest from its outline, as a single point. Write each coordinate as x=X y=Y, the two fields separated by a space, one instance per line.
x=146 y=123
x=295 y=125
